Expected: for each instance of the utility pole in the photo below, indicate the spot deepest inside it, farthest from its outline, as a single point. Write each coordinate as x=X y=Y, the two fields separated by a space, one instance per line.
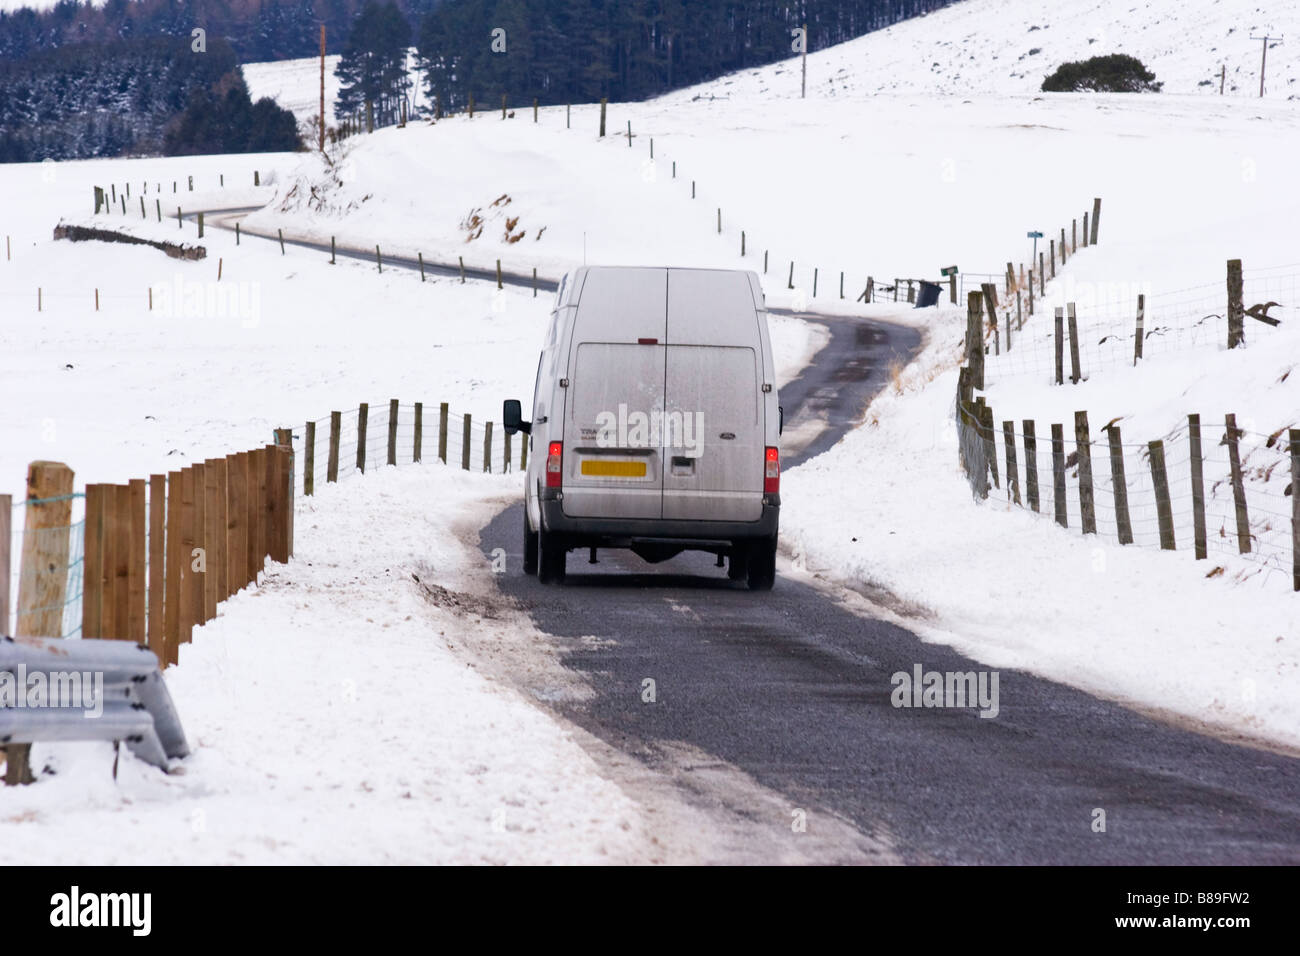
x=322 y=87
x=1263 y=59
x=803 y=78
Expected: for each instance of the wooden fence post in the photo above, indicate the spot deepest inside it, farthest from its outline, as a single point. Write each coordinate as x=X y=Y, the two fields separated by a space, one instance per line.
x=173 y=573
x=487 y=447
x=43 y=575
x=1013 y=472
x=990 y=441
x=523 y=453
x=990 y=292
x=117 y=543
x=43 y=568
x=1083 y=448
x=137 y=552
x=1074 y=235
x=6 y=535
x=363 y=412
x=1031 y=292
x=393 y=407
x=1230 y=437
x=1119 y=485
x=92 y=569
x=1085 y=229
x=1031 y=464
x=1058 y=474
x=194 y=578
x=283 y=544
x=603 y=103
x=1063 y=250
x=1042 y=277
x=505 y=456
x=1160 y=479
x=975 y=339
x=1293 y=436
x=271 y=500
x=464 y=444
x=213 y=533
x=253 y=512
x=1236 y=312
x=236 y=526
x=332 y=463
x=1141 y=319
x=1198 y=486
x=1096 y=218
x=1060 y=346
x=1052 y=257
x=309 y=459
x=1075 y=373
x=418 y=442
x=442 y=432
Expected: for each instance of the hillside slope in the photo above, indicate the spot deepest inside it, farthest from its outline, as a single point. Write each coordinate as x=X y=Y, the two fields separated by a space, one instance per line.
x=1008 y=46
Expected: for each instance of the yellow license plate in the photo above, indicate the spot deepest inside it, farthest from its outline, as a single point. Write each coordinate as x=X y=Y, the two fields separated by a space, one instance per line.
x=613 y=469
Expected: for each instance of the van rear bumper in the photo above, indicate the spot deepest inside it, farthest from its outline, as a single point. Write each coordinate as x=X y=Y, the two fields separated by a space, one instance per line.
x=620 y=531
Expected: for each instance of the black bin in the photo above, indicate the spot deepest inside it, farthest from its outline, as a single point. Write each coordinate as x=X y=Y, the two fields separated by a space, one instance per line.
x=928 y=294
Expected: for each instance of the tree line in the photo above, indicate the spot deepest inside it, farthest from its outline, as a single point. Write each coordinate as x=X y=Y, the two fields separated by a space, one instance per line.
x=146 y=95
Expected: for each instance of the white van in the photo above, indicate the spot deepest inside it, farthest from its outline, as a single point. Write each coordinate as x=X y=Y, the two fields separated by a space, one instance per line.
x=655 y=422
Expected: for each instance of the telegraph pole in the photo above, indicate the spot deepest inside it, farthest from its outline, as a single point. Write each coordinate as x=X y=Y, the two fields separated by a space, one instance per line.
x=803 y=78
x=322 y=87
x=1263 y=60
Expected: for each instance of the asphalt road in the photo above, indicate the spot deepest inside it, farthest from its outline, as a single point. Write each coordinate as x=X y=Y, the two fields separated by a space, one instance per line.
x=795 y=690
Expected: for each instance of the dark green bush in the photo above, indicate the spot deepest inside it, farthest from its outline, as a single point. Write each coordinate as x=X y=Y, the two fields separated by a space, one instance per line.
x=1116 y=73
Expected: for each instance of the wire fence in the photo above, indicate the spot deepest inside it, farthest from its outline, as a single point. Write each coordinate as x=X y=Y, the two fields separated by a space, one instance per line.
x=1178 y=322
x=66 y=539
x=391 y=435
x=1145 y=494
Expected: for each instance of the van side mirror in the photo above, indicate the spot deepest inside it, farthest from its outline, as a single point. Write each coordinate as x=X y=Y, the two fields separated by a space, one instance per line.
x=512 y=417
x=780 y=419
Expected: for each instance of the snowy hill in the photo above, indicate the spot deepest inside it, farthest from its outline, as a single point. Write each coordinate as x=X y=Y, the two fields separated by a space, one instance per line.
x=1009 y=46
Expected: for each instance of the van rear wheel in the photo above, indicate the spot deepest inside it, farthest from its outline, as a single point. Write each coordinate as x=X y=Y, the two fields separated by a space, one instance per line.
x=551 y=557
x=530 y=546
x=762 y=564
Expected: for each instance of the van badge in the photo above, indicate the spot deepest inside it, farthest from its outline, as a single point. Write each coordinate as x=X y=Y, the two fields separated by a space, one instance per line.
x=727 y=436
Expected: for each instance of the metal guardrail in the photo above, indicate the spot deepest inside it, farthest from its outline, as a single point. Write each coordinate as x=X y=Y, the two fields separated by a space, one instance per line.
x=127 y=700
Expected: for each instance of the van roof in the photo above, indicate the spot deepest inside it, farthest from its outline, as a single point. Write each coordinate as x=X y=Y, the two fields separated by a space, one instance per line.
x=677 y=306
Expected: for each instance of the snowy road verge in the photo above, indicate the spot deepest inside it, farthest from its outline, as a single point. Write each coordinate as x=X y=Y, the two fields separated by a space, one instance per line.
x=333 y=720
x=1013 y=590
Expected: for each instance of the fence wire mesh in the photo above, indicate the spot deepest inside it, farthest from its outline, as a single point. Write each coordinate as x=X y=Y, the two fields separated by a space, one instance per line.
x=1265 y=539
x=69 y=538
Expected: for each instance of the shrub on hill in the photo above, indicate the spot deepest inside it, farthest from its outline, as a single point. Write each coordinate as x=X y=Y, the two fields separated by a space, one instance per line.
x=1116 y=73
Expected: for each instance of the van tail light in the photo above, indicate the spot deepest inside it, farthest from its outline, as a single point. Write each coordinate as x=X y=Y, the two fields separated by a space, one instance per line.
x=771 y=471
x=554 y=464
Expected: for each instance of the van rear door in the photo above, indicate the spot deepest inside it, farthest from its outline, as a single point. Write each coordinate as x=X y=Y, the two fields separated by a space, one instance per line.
x=713 y=420
x=613 y=456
